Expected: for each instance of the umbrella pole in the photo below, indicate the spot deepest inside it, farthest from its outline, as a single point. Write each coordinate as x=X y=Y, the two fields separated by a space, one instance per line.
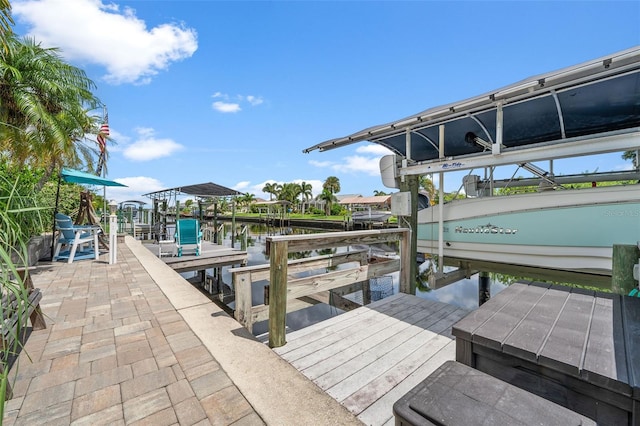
x=55 y=211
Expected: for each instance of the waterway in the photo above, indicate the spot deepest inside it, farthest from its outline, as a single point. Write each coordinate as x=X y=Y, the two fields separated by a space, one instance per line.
x=464 y=293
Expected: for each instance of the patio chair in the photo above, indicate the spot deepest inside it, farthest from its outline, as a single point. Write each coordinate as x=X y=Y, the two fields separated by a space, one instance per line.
x=80 y=241
x=188 y=234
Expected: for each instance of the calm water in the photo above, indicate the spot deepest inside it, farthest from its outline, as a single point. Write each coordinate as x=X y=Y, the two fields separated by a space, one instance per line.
x=463 y=293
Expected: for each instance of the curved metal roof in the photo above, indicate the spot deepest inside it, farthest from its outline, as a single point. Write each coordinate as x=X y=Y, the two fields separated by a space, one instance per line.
x=205 y=190
x=597 y=97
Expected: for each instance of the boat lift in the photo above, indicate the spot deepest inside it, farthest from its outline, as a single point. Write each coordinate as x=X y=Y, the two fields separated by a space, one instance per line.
x=587 y=109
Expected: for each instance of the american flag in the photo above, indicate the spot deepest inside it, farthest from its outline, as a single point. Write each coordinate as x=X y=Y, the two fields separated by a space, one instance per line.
x=103 y=133
x=102 y=142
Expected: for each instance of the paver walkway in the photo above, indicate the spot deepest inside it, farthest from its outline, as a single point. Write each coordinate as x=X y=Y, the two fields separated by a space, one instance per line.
x=119 y=350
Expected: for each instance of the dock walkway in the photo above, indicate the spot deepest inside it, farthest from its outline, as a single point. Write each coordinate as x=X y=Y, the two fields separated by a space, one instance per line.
x=135 y=343
x=368 y=358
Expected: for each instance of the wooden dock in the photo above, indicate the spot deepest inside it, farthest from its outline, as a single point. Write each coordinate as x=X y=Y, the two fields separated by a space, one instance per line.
x=370 y=357
x=212 y=256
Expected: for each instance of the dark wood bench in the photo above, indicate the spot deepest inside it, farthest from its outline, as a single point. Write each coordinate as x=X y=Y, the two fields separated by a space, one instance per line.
x=456 y=394
x=575 y=347
x=14 y=314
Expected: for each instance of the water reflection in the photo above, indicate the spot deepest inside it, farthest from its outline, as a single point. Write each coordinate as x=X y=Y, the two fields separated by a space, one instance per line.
x=463 y=293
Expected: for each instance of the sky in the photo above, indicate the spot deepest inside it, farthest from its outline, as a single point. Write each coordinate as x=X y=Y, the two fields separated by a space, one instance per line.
x=231 y=92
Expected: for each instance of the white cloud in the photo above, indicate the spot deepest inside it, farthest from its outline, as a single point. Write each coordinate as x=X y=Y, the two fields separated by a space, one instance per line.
x=226 y=107
x=241 y=186
x=374 y=149
x=254 y=100
x=136 y=186
x=321 y=164
x=359 y=164
x=93 y=32
x=232 y=105
x=367 y=164
x=147 y=147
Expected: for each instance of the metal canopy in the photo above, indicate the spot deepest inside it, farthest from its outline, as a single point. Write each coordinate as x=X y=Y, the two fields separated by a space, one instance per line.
x=599 y=97
x=203 y=190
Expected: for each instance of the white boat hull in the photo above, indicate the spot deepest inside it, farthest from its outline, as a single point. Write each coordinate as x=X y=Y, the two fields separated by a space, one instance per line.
x=572 y=230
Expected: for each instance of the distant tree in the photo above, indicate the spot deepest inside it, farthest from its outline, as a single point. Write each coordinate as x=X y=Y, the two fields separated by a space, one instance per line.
x=428 y=186
x=379 y=193
x=306 y=193
x=270 y=188
x=247 y=199
x=328 y=198
x=630 y=155
x=332 y=184
x=289 y=192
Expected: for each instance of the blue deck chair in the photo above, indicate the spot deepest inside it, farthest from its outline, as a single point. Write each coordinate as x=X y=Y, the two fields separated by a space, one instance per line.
x=188 y=234
x=80 y=242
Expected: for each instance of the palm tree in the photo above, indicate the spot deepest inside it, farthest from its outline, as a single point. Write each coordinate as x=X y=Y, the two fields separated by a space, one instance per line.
x=6 y=21
x=328 y=198
x=270 y=188
x=306 y=191
x=332 y=184
x=246 y=199
x=44 y=108
x=289 y=192
x=379 y=193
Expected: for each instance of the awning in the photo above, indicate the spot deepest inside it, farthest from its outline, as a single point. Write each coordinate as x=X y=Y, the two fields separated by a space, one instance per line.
x=76 y=176
x=596 y=97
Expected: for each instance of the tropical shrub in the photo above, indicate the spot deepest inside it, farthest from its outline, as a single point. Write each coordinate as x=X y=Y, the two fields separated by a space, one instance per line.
x=19 y=220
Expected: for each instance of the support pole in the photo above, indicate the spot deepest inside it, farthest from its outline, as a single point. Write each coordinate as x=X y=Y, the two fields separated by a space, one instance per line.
x=278 y=293
x=484 y=287
x=113 y=235
x=441 y=206
x=233 y=222
x=215 y=221
x=413 y=235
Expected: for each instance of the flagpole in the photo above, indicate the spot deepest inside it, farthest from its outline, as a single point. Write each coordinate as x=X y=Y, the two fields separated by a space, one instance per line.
x=104 y=172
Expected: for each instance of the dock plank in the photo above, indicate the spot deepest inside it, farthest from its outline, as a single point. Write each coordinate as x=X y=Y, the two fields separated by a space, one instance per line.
x=467 y=327
x=527 y=338
x=344 y=363
x=407 y=338
x=602 y=357
x=564 y=349
x=494 y=331
x=393 y=368
x=379 y=410
x=330 y=343
x=303 y=337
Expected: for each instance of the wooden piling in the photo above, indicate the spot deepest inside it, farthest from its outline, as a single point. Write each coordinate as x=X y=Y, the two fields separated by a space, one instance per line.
x=278 y=293
x=624 y=257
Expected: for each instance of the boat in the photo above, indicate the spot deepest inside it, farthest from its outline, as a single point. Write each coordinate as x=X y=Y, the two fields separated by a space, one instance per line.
x=371 y=215
x=571 y=230
x=531 y=127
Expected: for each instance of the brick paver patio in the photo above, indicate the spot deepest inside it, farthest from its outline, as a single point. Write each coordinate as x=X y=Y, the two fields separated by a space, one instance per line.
x=116 y=351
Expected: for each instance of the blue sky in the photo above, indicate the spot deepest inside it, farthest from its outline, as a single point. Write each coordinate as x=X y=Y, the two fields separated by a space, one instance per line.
x=231 y=92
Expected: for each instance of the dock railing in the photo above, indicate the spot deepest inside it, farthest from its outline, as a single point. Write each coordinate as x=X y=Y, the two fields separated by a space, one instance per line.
x=284 y=289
